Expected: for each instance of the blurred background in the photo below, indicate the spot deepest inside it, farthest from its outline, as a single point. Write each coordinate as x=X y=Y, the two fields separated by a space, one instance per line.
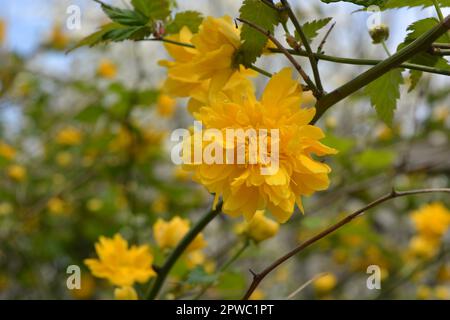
x=85 y=152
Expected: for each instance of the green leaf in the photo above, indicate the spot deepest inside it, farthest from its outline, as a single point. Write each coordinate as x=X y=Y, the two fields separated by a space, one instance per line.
x=253 y=41
x=190 y=19
x=96 y=37
x=90 y=114
x=311 y=28
x=124 y=16
x=415 y=30
x=153 y=9
x=375 y=160
x=392 y=4
x=199 y=276
x=365 y=3
x=384 y=93
x=125 y=33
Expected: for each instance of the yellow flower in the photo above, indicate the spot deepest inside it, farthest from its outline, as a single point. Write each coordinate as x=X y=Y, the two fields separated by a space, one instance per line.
x=383 y=132
x=69 y=136
x=2 y=31
x=258 y=294
x=160 y=205
x=64 y=159
x=121 y=265
x=423 y=292
x=94 y=204
x=423 y=247
x=169 y=233
x=442 y=293
x=211 y=59
x=260 y=228
x=86 y=289
x=125 y=293
x=58 y=39
x=6 y=208
x=57 y=206
x=107 y=69
x=325 y=283
x=432 y=220
x=180 y=174
x=243 y=186
x=166 y=106
x=6 y=151
x=16 y=172
x=195 y=258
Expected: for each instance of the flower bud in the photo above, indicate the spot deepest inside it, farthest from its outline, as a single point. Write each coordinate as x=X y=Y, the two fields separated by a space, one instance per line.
x=379 y=33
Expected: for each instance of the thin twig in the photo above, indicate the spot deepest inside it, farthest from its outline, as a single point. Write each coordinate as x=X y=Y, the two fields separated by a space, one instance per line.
x=343 y=60
x=285 y=52
x=312 y=58
x=272 y=5
x=324 y=40
x=258 y=277
x=261 y=71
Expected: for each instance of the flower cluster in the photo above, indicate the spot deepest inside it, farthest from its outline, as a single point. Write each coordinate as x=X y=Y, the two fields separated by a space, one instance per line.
x=222 y=98
x=431 y=222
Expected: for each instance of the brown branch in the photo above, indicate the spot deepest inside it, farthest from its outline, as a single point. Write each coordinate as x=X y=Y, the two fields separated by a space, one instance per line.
x=324 y=40
x=423 y=43
x=283 y=50
x=258 y=277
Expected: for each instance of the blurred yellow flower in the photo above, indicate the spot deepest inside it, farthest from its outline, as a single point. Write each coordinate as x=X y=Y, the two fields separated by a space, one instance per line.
x=69 y=136
x=125 y=293
x=423 y=292
x=64 y=159
x=431 y=220
x=2 y=31
x=258 y=294
x=325 y=283
x=121 y=265
x=160 y=204
x=442 y=293
x=169 y=233
x=6 y=151
x=243 y=187
x=57 y=206
x=87 y=287
x=94 y=204
x=383 y=132
x=441 y=113
x=195 y=258
x=166 y=106
x=180 y=174
x=215 y=44
x=107 y=69
x=423 y=247
x=58 y=39
x=6 y=208
x=260 y=228
x=16 y=172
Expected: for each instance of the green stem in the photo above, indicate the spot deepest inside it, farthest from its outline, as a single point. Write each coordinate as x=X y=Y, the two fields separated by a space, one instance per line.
x=422 y=43
x=180 y=249
x=178 y=43
x=385 y=47
x=366 y=62
x=311 y=56
x=225 y=266
x=353 y=61
x=438 y=10
x=261 y=71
